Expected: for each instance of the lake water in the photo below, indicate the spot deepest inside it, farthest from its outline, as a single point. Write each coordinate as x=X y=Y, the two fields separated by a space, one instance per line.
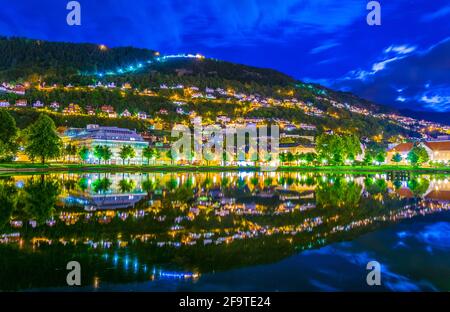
x=230 y=231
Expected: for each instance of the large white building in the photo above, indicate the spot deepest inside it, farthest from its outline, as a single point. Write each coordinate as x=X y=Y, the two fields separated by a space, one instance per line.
x=113 y=137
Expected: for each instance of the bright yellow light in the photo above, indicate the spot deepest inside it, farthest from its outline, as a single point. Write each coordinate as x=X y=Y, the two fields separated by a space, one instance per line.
x=102 y=47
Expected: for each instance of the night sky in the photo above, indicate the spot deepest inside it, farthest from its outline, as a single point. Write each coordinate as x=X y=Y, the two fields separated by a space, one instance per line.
x=405 y=62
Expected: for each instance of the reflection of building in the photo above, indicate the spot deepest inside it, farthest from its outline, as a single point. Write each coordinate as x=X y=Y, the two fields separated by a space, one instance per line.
x=106 y=201
x=113 y=137
x=439 y=191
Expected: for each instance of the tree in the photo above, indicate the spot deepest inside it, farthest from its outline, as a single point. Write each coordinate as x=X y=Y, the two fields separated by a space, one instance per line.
x=83 y=153
x=397 y=158
x=101 y=185
x=336 y=149
x=368 y=158
x=126 y=185
x=418 y=155
x=310 y=157
x=98 y=152
x=70 y=150
x=102 y=152
x=42 y=140
x=283 y=157
x=8 y=135
x=148 y=153
x=156 y=154
x=40 y=198
x=107 y=154
x=127 y=152
x=290 y=157
x=8 y=201
x=381 y=157
x=171 y=156
x=149 y=186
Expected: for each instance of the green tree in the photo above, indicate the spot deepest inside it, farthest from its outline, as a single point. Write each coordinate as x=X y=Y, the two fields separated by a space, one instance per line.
x=290 y=157
x=127 y=152
x=101 y=185
x=170 y=155
x=282 y=157
x=8 y=136
x=310 y=157
x=397 y=158
x=336 y=149
x=70 y=150
x=107 y=153
x=126 y=185
x=148 y=153
x=42 y=140
x=156 y=154
x=40 y=198
x=8 y=201
x=149 y=186
x=418 y=155
x=418 y=186
x=381 y=157
x=102 y=152
x=368 y=158
x=83 y=153
x=98 y=152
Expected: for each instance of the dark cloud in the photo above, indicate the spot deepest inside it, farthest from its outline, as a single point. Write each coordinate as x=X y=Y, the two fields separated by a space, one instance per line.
x=418 y=80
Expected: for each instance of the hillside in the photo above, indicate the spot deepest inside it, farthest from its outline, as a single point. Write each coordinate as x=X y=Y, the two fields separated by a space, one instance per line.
x=26 y=58
x=156 y=82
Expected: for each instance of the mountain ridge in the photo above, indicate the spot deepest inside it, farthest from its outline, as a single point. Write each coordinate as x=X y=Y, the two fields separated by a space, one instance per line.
x=240 y=91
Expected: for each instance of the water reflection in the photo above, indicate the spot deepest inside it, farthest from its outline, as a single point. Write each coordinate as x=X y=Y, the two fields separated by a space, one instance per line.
x=128 y=227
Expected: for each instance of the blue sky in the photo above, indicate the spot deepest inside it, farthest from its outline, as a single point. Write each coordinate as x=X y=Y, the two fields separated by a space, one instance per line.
x=404 y=62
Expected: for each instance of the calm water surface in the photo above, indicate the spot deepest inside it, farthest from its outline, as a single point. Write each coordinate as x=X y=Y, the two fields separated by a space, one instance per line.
x=228 y=231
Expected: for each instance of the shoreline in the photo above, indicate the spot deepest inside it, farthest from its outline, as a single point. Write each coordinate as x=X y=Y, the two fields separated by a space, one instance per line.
x=6 y=169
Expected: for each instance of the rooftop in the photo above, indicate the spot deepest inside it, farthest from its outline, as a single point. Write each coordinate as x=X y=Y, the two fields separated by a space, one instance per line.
x=95 y=132
x=438 y=145
x=402 y=147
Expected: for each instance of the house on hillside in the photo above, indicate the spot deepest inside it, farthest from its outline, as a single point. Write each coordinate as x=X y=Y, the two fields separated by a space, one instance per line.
x=438 y=151
x=125 y=113
x=21 y=103
x=403 y=149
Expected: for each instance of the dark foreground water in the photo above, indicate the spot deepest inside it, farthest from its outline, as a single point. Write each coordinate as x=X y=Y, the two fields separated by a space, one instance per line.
x=225 y=231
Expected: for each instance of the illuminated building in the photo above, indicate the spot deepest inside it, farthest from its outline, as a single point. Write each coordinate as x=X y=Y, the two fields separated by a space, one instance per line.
x=113 y=137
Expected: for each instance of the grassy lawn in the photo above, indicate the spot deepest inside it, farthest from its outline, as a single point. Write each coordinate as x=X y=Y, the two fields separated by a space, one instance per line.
x=29 y=167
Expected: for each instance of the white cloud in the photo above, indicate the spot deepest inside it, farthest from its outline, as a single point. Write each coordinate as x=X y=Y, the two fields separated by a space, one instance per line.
x=325 y=46
x=400 y=49
x=381 y=65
